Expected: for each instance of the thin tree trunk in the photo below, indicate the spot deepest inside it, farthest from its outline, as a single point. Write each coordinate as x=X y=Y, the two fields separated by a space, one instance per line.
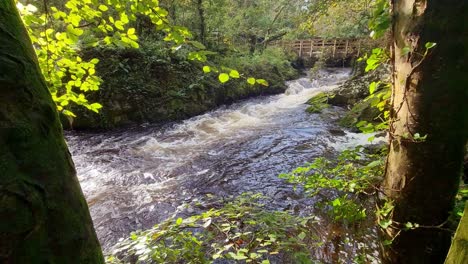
x=44 y=217
x=201 y=15
x=429 y=98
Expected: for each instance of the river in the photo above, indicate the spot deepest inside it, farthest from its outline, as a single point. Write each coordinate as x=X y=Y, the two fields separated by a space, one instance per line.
x=136 y=177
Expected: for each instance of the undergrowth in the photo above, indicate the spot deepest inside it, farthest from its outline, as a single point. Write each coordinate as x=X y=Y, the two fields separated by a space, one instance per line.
x=241 y=230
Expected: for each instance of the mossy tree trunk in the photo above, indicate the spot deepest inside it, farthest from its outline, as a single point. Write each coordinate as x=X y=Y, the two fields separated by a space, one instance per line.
x=430 y=98
x=44 y=216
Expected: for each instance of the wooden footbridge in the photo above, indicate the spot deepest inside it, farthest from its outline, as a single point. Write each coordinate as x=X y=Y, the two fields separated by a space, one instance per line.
x=317 y=47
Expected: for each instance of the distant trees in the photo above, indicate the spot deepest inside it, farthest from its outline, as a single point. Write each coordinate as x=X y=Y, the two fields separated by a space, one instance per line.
x=430 y=95
x=336 y=18
x=254 y=23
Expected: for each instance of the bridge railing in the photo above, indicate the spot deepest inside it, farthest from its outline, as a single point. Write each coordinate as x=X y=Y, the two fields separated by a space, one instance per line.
x=316 y=47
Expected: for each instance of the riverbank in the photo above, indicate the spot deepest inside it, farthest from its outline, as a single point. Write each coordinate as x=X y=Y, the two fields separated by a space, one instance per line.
x=155 y=84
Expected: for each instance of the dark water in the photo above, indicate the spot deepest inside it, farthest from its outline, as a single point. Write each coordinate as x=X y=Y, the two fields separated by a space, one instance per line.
x=137 y=177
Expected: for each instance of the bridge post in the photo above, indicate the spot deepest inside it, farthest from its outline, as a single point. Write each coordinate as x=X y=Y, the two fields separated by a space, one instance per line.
x=346 y=49
x=334 y=48
x=311 y=48
x=300 y=48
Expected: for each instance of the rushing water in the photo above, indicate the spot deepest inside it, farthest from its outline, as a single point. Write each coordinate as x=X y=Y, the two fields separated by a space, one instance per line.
x=137 y=177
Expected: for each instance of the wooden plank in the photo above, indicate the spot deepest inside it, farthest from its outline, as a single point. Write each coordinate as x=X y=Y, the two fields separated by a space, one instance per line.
x=334 y=48
x=458 y=253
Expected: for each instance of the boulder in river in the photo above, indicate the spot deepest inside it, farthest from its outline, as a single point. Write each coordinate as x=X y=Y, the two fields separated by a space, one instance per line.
x=353 y=94
x=357 y=87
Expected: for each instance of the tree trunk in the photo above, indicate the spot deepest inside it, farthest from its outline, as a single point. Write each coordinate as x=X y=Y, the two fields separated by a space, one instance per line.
x=201 y=15
x=44 y=216
x=430 y=98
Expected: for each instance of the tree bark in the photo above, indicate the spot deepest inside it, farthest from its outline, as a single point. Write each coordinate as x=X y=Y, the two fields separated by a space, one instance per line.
x=44 y=217
x=201 y=15
x=430 y=97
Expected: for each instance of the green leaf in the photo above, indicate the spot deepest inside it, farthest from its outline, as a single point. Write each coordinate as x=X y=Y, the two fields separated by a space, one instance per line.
x=372 y=87
x=134 y=45
x=119 y=25
x=223 y=77
x=206 y=69
x=74 y=31
x=409 y=225
x=405 y=51
x=387 y=242
x=238 y=256
x=234 y=74
x=251 y=81
x=124 y=18
x=385 y=223
x=95 y=107
x=262 y=82
x=197 y=45
x=336 y=202
x=131 y=31
x=374 y=163
x=103 y=8
x=179 y=221
x=68 y=113
x=430 y=45
x=301 y=236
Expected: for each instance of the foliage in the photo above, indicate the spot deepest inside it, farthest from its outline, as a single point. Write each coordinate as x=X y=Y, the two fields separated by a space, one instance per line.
x=244 y=25
x=337 y=18
x=381 y=19
x=380 y=93
x=58 y=33
x=354 y=173
x=242 y=229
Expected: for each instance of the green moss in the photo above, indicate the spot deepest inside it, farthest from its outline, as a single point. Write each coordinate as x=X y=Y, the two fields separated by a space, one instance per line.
x=318 y=102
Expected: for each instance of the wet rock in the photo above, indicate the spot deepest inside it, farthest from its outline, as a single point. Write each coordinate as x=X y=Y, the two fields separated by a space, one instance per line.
x=337 y=132
x=357 y=88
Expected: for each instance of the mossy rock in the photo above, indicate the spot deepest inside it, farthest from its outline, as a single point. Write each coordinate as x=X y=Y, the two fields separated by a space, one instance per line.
x=357 y=88
x=319 y=102
x=361 y=111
